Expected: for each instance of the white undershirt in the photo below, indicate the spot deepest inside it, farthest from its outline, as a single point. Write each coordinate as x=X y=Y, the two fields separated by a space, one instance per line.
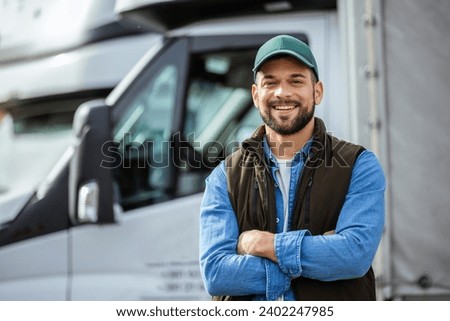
x=284 y=179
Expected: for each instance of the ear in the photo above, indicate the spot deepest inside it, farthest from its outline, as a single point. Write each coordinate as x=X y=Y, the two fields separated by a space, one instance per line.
x=255 y=95
x=318 y=92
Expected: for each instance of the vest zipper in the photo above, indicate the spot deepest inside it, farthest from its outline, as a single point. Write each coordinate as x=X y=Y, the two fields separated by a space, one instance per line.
x=308 y=199
x=255 y=198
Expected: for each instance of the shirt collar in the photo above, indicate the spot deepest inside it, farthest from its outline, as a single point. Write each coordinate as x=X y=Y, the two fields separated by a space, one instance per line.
x=301 y=155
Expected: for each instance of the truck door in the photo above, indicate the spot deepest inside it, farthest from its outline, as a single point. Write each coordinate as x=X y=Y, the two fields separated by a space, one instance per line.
x=35 y=269
x=150 y=253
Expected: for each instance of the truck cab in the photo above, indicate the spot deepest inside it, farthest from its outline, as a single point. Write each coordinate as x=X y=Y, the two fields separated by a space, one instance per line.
x=117 y=217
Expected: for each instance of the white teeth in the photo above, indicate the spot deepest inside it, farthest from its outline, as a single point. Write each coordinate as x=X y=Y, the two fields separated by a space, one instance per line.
x=284 y=107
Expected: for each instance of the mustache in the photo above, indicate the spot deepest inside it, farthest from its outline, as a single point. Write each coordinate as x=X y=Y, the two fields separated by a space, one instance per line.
x=274 y=103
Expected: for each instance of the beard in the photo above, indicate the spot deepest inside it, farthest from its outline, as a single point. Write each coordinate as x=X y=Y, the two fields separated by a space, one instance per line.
x=285 y=126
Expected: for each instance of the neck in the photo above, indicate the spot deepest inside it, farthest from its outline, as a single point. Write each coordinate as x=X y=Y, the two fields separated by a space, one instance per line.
x=285 y=146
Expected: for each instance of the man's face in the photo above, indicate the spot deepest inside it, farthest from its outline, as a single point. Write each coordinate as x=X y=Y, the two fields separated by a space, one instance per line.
x=286 y=94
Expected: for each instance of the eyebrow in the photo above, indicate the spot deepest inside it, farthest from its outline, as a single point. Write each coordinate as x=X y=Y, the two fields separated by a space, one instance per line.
x=301 y=75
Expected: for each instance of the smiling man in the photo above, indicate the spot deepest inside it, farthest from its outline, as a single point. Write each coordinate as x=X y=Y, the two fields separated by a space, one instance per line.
x=295 y=213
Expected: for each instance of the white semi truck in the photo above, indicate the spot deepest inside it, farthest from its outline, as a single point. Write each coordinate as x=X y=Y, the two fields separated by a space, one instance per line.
x=54 y=55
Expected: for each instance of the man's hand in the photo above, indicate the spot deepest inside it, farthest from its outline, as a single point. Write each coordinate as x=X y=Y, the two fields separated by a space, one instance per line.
x=260 y=243
x=257 y=243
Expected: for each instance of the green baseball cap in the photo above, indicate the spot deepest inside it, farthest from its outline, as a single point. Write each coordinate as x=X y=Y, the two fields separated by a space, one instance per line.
x=285 y=45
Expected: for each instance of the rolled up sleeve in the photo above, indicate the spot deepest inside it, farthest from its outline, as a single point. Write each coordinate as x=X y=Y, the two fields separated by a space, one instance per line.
x=287 y=249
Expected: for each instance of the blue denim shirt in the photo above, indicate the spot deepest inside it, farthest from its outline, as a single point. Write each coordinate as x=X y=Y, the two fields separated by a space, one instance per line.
x=344 y=255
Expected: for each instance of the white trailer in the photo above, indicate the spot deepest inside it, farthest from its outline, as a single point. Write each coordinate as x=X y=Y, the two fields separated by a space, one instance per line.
x=397 y=61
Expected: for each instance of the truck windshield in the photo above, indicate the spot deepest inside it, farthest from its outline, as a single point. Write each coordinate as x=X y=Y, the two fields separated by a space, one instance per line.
x=33 y=136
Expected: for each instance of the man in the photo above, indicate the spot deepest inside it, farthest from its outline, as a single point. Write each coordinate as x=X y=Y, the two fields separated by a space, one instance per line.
x=295 y=213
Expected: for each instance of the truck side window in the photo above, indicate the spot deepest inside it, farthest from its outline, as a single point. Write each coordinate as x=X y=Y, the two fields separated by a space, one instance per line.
x=218 y=100
x=144 y=135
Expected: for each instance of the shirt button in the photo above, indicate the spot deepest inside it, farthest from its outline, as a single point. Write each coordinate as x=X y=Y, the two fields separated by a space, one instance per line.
x=278 y=220
x=276 y=185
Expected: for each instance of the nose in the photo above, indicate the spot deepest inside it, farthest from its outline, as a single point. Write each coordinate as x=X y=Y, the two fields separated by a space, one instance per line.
x=283 y=90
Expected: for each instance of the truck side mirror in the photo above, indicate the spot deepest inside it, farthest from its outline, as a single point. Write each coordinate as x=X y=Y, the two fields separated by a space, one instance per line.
x=90 y=184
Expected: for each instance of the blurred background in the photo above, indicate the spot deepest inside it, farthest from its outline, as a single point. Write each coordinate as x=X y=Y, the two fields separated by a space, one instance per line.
x=54 y=55
x=179 y=72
